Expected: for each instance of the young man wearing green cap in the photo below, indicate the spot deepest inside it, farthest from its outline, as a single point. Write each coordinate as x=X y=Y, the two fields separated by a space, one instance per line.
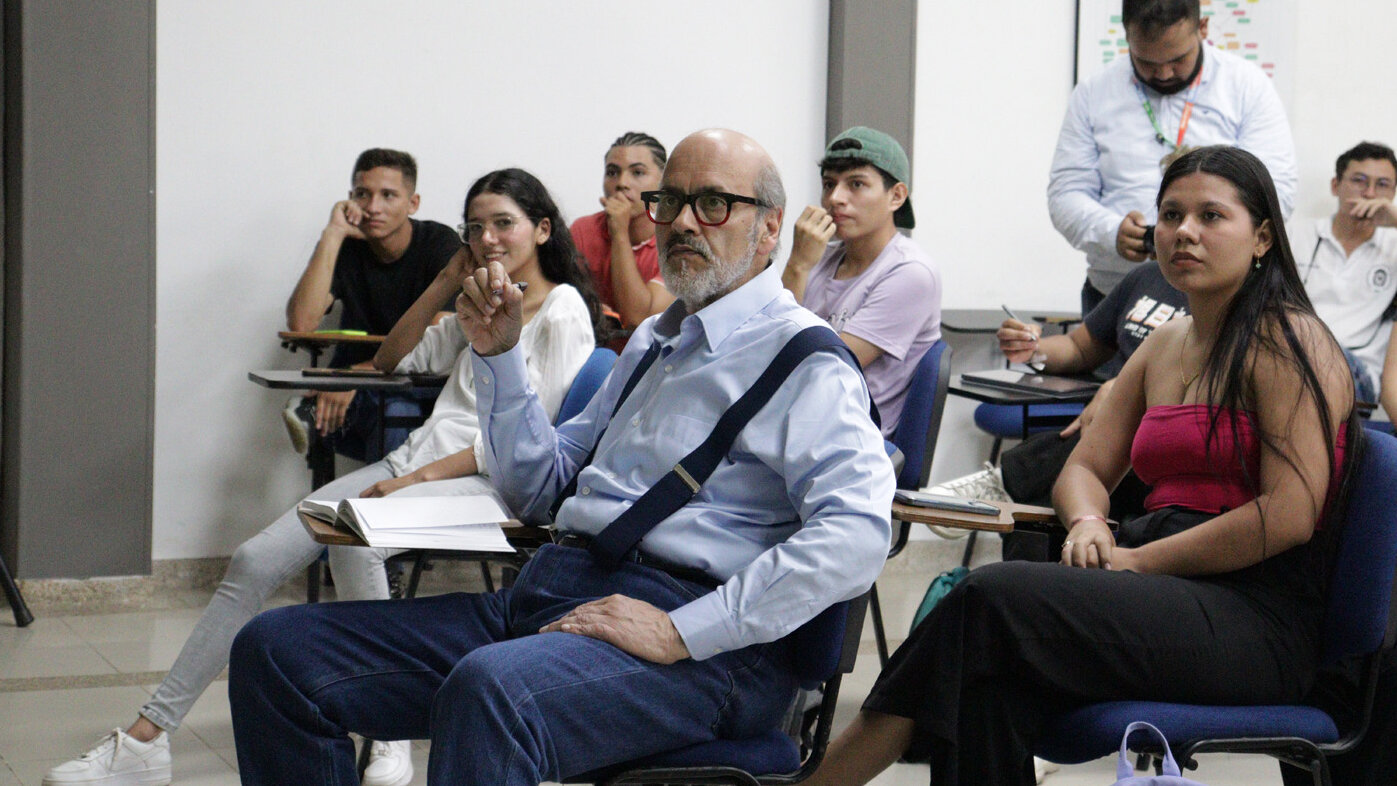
x=875 y=287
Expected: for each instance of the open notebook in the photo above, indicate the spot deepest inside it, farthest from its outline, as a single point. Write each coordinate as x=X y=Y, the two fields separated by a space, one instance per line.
x=457 y=523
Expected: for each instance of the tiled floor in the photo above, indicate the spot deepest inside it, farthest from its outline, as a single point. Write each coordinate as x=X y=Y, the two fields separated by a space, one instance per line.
x=46 y=718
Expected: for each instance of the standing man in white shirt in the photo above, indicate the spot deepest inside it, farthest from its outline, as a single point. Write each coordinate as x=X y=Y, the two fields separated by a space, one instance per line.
x=1124 y=125
x=1348 y=261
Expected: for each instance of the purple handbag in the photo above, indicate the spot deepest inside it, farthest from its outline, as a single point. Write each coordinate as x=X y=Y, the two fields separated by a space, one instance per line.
x=1125 y=771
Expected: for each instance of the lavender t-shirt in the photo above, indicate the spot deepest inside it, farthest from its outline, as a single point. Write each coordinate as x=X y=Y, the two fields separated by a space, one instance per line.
x=894 y=305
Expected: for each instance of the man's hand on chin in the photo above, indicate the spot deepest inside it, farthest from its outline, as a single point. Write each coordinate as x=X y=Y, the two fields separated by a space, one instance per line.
x=631 y=625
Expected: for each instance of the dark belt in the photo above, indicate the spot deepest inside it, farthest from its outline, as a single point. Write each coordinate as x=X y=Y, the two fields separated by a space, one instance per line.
x=694 y=575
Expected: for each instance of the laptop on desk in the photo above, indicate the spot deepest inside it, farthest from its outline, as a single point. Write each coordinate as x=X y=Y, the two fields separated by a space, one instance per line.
x=1021 y=382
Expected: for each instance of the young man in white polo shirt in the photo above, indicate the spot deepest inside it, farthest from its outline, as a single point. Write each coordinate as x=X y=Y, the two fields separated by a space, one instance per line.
x=1348 y=261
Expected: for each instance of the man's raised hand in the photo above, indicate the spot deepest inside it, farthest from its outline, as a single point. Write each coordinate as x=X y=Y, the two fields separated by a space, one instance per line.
x=490 y=310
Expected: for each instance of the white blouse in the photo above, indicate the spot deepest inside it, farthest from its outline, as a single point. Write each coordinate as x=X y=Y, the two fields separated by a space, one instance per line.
x=556 y=342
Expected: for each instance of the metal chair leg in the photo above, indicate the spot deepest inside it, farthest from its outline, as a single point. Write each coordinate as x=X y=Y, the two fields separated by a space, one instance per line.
x=365 y=748
x=879 y=636
x=313 y=582
x=22 y=615
x=415 y=579
x=994 y=450
x=969 y=549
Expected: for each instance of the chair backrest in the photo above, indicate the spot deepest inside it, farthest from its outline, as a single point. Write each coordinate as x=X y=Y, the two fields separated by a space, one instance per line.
x=920 y=422
x=586 y=383
x=1360 y=616
x=828 y=643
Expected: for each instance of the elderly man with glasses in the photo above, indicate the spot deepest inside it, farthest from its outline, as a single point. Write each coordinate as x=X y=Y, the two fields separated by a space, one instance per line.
x=657 y=619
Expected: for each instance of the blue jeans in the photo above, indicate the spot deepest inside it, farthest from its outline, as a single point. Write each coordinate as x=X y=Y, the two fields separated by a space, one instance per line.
x=1363 y=389
x=501 y=703
x=360 y=437
x=1091 y=297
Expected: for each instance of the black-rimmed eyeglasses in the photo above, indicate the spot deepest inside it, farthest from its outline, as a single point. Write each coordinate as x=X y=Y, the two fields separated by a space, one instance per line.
x=711 y=208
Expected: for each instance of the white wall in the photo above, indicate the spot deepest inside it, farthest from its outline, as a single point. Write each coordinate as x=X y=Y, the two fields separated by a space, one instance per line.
x=1343 y=89
x=991 y=90
x=262 y=107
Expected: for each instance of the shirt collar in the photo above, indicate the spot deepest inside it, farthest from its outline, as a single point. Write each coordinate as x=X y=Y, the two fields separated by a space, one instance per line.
x=720 y=318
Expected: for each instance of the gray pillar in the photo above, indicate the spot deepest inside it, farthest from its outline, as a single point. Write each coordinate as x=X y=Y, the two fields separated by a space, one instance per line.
x=79 y=310
x=872 y=67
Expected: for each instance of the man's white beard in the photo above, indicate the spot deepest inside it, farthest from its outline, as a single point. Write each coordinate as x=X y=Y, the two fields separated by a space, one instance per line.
x=698 y=288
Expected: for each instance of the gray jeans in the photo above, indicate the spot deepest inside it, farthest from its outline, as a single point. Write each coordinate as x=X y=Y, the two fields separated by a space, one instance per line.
x=262 y=564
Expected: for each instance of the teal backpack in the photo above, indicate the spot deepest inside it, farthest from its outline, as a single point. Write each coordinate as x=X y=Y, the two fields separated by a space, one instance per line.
x=939 y=587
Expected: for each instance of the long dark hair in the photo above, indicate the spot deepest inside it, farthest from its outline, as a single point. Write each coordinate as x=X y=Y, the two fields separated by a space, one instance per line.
x=1266 y=305
x=557 y=257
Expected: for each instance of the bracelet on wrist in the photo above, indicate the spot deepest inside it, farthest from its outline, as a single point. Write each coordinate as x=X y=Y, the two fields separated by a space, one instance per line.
x=1089 y=517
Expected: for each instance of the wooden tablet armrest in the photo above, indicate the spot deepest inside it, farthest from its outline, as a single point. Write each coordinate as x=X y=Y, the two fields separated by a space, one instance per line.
x=1012 y=516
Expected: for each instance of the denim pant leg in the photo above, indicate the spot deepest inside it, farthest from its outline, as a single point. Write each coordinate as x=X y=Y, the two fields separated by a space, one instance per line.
x=546 y=707
x=360 y=437
x=1091 y=297
x=1363 y=388
x=259 y=566
x=301 y=677
x=517 y=711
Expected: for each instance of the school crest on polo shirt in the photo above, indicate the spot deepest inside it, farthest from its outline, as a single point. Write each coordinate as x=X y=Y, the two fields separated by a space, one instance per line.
x=1379 y=278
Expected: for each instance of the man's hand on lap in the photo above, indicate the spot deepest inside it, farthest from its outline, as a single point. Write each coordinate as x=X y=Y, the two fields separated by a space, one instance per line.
x=631 y=625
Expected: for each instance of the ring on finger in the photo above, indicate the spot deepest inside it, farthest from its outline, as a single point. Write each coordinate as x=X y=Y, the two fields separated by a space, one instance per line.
x=1067 y=544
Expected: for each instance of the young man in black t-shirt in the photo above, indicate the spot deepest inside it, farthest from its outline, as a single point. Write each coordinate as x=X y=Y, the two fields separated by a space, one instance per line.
x=376 y=260
x=1107 y=337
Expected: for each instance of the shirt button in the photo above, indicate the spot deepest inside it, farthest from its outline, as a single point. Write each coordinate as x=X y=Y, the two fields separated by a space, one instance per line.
x=484 y=380
x=635 y=421
x=669 y=367
x=586 y=490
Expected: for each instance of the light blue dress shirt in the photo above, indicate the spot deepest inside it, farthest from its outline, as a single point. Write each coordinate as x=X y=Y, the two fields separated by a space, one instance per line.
x=794 y=520
x=1107 y=158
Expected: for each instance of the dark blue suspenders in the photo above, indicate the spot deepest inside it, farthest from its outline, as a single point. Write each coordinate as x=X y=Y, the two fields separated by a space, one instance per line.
x=680 y=484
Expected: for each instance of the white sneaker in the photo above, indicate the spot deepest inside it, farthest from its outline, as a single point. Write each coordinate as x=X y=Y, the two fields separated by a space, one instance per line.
x=987 y=484
x=390 y=764
x=118 y=759
x=1041 y=768
x=299 y=417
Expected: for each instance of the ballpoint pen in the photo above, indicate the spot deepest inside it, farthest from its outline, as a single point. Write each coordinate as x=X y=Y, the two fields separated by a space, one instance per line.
x=1036 y=361
x=519 y=285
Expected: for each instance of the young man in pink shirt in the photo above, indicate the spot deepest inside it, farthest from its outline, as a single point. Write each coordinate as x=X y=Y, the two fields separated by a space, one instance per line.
x=876 y=288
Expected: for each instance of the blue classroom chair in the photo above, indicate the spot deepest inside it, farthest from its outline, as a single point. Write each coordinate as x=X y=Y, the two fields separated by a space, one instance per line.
x=1360 y=623
x=823 y=651
x=915 y=438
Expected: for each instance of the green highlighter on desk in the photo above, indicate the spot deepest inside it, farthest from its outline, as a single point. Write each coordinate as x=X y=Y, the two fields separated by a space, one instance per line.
x=341 y=332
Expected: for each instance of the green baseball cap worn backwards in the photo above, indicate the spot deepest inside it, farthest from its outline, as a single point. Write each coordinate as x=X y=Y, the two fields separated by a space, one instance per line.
x=879 y=149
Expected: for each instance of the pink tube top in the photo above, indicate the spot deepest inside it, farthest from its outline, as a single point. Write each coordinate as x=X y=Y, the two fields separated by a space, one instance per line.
x=1169 y=455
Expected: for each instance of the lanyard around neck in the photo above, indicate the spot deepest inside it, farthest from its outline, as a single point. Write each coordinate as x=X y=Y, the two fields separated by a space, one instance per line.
x=1183 y=118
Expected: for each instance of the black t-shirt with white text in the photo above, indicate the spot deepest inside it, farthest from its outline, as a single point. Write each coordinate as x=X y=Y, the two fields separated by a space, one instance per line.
x=375 y=294
x=1141 y=302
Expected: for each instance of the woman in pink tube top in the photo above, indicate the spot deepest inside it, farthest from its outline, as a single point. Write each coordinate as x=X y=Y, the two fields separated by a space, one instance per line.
x=1240 y=417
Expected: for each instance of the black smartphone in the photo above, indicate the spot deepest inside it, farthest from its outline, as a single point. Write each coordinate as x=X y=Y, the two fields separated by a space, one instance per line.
x=924 y=499
x=1149 y=241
